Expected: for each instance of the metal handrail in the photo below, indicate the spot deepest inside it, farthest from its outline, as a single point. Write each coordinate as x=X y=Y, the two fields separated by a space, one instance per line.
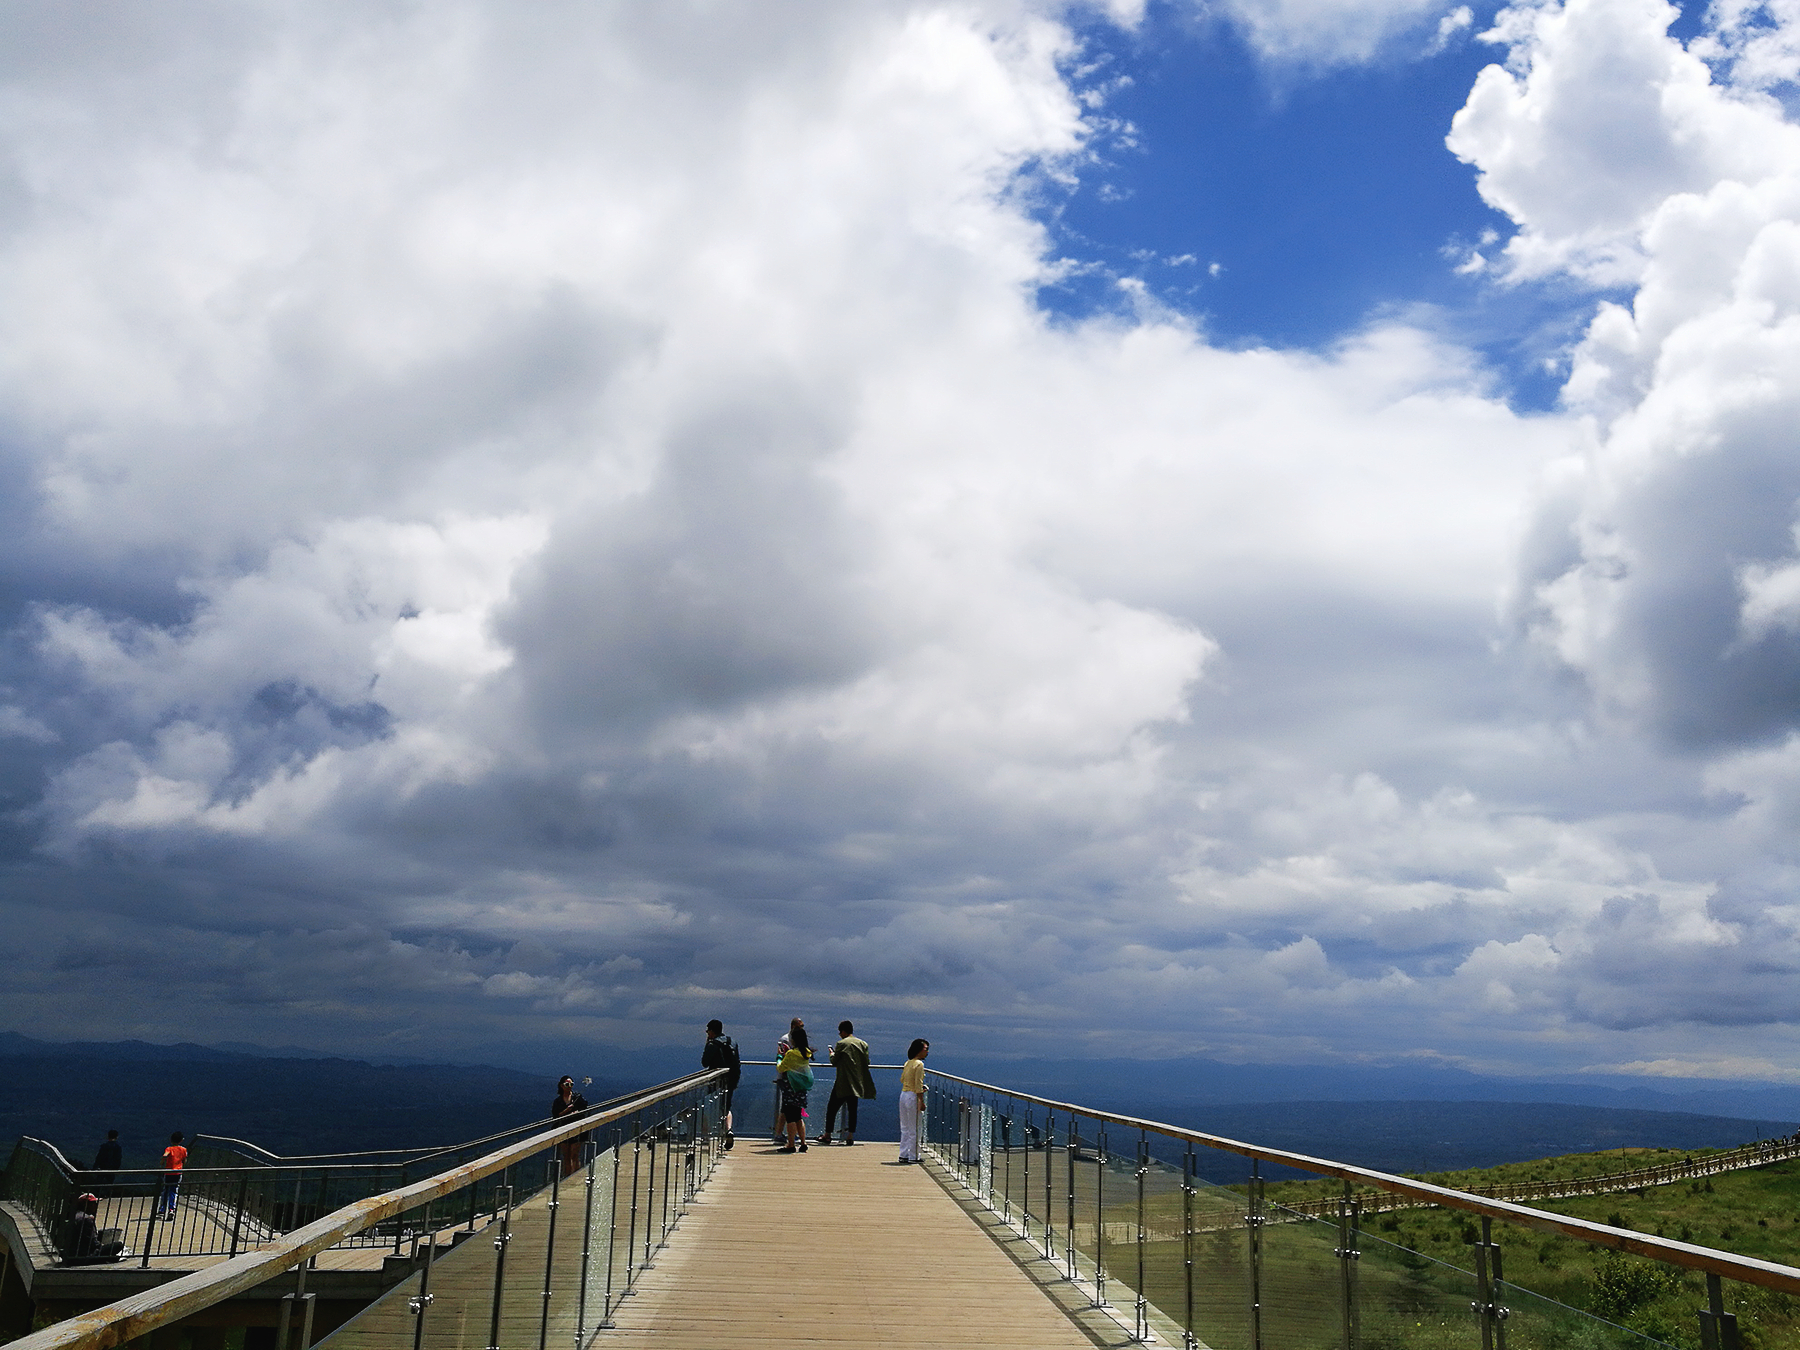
x=1747 y=1269
x=116 y=1323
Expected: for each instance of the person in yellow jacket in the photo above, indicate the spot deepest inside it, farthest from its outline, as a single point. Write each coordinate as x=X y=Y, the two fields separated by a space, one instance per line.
x=912 y=1099
x=796 y=1076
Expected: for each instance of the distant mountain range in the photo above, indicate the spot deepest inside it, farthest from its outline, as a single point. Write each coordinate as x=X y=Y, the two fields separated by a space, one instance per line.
x=292 y=1100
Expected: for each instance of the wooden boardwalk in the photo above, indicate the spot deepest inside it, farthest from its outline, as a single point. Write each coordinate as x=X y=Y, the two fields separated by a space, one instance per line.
x=837 y=1246
x=844 y=1246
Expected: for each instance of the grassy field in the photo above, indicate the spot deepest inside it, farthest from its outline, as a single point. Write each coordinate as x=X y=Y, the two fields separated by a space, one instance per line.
x=1414 y=1285
x=1754 y=1213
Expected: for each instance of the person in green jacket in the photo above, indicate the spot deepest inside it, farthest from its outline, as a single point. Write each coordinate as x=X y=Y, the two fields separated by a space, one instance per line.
x=850 y=1057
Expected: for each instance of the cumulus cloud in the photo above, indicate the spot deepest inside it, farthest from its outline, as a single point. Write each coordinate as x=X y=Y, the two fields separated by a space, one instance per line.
x=549 y=524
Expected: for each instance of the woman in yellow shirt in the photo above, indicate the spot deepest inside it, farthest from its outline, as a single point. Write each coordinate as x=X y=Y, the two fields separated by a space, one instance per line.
x=796 y=1075
x=912 y=1099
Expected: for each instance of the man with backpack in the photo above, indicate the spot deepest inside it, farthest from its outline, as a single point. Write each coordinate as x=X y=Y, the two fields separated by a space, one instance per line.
x=722 y=1053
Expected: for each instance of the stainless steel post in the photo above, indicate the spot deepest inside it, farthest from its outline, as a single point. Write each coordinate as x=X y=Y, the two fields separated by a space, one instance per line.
x=1100 y=1222
x=1049 y=1150
x=650 y=1197
x=503 y=1211
x=1143 y=1304
x=587 y=1244
x=612 y=1227
x=1025 y=1179
x=1071 y=1153
x=637 y=1150
x=421 y=1301
x=554 y=1167
x=1006 y=1182
x=1253 y=1222
x=1189 y=1163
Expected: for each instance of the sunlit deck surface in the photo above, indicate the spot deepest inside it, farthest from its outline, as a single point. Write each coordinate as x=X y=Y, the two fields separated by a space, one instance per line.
x=837 y=1246
x=202 y=1224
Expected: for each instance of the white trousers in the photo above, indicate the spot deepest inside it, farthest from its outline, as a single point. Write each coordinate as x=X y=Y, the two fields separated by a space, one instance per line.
x=909 y=1125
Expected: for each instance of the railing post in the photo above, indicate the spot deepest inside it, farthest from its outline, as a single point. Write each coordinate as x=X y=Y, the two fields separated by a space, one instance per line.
x=669 y=1140
x=150 y=1228
x=1487 y=1289
x=1100 y=1221
x=554 y=1167
x=1006 y=1170
x=306 y=1302
x=237 y=1218
x=1253 y=1223
x=1143 y=1304
x=587 y=1246
x=1074 y=1147
x=420 y=1301
x=502 y=1210
x=637 y=1151
x=1718 y=1328
x=612 y=1226
x=1025 y=1179
x=1348 y=1254
x=1189 y=1170
x=400 y=1219
x=650 y=1196
x=1049 y=1149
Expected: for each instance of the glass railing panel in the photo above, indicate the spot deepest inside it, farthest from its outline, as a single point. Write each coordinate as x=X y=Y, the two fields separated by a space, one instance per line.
x=1302 y=1282
x=1405 y=1298
x=1534 y=1322
x=1220 y=1245
x=461 y=1287
x=610 y=1215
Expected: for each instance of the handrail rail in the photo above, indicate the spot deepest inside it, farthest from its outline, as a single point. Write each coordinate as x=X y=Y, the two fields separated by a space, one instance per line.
x=116 y=1323
x=1748 y=1269
x=55 y=1154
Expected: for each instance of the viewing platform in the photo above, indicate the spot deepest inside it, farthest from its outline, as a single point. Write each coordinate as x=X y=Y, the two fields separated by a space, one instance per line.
x=1031 y=1222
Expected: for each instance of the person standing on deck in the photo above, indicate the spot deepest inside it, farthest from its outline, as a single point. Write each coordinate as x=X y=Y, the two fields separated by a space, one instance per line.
x=795 y=1077
x=108 y=1159
x=174 y=1159
x=850 y=1057
x=912 y=1099
x=720 y=1052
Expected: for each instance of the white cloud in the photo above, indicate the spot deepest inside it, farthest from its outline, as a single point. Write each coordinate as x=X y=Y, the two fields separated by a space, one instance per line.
x=1325 y=33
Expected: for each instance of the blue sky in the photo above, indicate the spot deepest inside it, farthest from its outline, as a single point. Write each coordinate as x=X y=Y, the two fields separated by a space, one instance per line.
x=1324 y=197
x=539 y=527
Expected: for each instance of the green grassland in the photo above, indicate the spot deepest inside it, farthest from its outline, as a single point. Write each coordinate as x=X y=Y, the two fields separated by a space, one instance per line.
x=1755 y=1212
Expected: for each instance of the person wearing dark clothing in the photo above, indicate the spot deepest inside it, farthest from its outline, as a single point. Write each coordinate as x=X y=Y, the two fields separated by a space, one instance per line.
x=108 y=1159
x=850 y=1057
x=721 y=1052
x=568 y=1100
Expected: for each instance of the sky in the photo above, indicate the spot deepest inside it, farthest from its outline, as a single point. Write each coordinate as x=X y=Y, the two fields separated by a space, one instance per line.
x=1264 y=530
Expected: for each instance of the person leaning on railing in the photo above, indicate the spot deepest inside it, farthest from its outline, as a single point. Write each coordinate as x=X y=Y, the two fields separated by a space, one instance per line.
x=912 y=1099
x=566 y=1102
